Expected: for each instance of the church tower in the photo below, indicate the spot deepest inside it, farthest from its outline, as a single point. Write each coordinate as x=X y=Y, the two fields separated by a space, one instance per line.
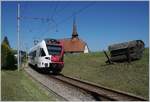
x=74 y=44
x=74 y=33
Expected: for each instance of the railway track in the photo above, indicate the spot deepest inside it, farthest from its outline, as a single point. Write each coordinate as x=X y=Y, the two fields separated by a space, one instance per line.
x=64 y=91
x=44 y=86
x=99 y=92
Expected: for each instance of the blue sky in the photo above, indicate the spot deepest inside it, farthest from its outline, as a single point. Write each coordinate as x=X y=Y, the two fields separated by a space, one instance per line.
x=99 y=23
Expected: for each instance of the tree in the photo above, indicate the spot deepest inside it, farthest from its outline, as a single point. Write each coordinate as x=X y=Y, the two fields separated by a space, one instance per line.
x=7 y=56
x=6 y=41
x=4 y=52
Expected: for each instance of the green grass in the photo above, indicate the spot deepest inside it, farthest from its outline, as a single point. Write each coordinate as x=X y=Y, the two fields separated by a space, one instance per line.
x=17 y=86
x=133 y=77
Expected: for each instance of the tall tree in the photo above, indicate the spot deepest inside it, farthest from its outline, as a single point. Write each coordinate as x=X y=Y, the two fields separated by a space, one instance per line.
x=7 y=56
x=4 y=53
x=6 y=41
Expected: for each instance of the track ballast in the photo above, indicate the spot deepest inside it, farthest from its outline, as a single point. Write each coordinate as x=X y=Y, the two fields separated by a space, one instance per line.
x=99 y=92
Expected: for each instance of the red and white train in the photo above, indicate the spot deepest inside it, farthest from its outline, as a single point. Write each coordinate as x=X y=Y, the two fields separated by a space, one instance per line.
x=47 y=54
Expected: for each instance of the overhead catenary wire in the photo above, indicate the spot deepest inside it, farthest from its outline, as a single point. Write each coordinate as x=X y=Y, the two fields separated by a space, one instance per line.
x=51 y=21
x=53 y=15
x=41 y=19
x=54 y=11
x=76 y=13
x=62 y=9
x=73 y=14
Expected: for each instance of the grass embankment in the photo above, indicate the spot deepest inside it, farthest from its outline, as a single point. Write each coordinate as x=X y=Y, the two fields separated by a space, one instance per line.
x=133 y=77
x=16 y=86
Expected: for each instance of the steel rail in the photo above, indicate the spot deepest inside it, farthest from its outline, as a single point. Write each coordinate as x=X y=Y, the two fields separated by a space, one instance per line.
x=99 y=91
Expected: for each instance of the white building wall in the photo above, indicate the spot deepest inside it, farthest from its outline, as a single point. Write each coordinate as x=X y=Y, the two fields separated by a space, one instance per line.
x=86 y=50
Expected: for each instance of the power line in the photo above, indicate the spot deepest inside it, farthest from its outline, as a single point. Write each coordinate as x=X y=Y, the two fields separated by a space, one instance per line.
x=50 y=20
x=53 y=14
x=73 y=14
x=62 y=9
x=41 y=18
x=76 y=12
x=36 y=18
x=54 y=11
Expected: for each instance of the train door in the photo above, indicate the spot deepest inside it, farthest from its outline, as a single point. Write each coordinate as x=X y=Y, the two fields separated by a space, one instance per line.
x=34 y=57
x=41 y=58
x=37 y=56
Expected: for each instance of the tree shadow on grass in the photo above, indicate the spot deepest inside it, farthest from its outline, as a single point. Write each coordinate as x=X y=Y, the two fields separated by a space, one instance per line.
x=11 y=68
x=120 y=61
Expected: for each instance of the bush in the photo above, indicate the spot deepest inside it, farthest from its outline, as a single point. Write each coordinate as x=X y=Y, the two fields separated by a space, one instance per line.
x=7 y=57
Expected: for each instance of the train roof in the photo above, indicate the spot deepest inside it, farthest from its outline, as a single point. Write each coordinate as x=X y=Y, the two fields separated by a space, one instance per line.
x=36 y=45
x=47 y=41
x=52 y=41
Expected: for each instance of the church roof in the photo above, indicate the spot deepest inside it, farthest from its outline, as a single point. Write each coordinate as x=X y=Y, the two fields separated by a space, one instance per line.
x=73 y=45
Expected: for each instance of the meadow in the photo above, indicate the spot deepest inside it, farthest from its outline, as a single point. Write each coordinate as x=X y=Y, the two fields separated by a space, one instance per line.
x=18 y=86
x=129 y=77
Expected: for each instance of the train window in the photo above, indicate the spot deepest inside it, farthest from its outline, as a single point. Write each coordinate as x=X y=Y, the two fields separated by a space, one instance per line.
x=30 y=54
x=42 y=53
x=34 y=53
x=54 y=50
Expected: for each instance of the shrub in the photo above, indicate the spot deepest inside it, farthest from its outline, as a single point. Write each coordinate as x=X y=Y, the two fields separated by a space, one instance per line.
x=7 y=57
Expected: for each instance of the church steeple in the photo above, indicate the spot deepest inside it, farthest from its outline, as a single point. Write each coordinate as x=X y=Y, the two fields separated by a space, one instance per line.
x=74 y=33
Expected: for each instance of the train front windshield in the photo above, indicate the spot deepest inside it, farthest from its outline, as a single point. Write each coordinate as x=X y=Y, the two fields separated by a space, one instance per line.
x=54 y=50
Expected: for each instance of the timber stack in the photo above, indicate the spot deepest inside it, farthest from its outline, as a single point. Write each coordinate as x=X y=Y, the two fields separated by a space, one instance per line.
x=126 y=51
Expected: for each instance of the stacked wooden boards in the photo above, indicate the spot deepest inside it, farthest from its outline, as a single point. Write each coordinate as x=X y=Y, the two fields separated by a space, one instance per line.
x=126 y=51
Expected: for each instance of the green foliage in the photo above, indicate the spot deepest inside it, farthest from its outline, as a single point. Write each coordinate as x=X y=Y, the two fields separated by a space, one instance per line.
x=7 y=56
x=4 y=54
x=6 y=41
x=10 y=60
x=24 y=57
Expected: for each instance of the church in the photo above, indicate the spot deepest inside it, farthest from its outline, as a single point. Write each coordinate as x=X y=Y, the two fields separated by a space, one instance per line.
x=75 y=44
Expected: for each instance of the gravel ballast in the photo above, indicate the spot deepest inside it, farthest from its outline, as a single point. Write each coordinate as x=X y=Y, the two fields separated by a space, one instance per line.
x=66 y=91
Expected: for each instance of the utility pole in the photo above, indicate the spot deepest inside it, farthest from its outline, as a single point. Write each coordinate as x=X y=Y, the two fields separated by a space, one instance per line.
x=18 y=30
x=26 y=55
